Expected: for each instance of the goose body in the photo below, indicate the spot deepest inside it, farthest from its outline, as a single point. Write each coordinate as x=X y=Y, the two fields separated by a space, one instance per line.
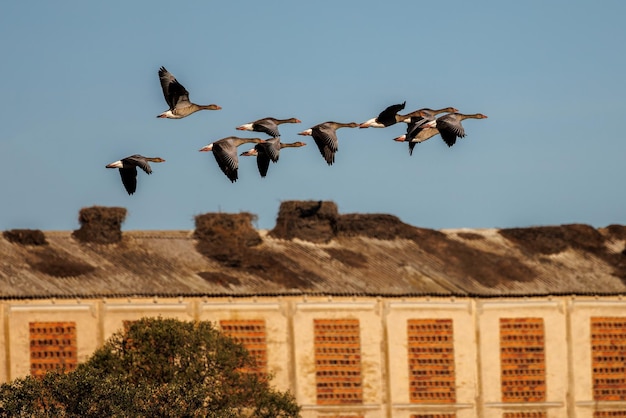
x=177 y=98
x=386 y=118
x=424 y=134
x=266 y=125
x=325 y=137
x=225 y=153
x=450 y=127
x=263 y=158
x=128 y=169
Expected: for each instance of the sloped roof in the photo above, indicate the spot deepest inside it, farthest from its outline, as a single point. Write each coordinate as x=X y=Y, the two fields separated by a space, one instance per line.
x=358 y=259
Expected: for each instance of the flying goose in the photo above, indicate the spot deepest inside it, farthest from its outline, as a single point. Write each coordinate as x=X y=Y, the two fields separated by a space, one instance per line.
x=325 y=137
x=128 y=169
x=266 y=125
x=450 y=127
x=225 y=153
x=263 y=158
x=177 y=98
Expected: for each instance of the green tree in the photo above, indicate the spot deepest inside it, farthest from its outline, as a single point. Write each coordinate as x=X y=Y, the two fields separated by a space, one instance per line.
x=156 y=368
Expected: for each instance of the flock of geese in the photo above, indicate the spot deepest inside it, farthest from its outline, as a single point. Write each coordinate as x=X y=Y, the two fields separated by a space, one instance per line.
x=422 y=124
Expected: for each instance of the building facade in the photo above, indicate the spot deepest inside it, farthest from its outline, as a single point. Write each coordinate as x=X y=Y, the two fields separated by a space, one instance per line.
x=373 y=357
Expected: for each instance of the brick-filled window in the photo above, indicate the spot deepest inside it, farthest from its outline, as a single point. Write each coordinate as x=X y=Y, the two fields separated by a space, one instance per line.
x=431 y=361
x=252 y=335
x=608 y=348
x=609 y=414
x=434 y=416
x=342 y=416
x=52 y=347
x=522 y=360
x=525 y=415
x=338 y=361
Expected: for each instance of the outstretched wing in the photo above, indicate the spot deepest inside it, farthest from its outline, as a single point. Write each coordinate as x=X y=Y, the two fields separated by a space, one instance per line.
x=267 y=126
x=129 y=178
x=450 y=129
x=388 y=116
x=173 y=91
x=139 y=161
x=326 y=140
x=262 y=160
x=226 y=156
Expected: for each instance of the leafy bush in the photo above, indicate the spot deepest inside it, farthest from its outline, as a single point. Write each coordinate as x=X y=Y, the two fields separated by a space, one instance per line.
x=156 y=368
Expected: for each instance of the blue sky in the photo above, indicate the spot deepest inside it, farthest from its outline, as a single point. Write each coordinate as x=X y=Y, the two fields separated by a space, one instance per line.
x=81 y=90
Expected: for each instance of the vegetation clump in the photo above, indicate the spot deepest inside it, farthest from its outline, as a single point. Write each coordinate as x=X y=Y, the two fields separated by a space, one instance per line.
x=309 y=220
x=155 y=368
x=100 y=224
x=25 y=236
x=226 y=237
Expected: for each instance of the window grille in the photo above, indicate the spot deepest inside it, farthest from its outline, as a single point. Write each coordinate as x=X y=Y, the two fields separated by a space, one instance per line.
x=252 y=335
x=522 y=358
x=52 y=347
x=338 y=361
x=608 y=346
x=431 y=361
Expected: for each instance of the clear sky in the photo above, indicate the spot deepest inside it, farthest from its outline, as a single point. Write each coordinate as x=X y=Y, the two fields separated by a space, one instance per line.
x=80 y=90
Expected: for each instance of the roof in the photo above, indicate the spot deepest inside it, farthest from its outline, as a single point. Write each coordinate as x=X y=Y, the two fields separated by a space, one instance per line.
x=364 y=255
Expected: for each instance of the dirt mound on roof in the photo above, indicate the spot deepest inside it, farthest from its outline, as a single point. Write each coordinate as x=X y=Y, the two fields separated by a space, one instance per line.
x=555 y=239
x=231 y=240
x=309 y=220
x=379 y=226
x=226 y=237
x=100 y=224
x=546 y=240
x=320 y=222
x=616 y=231
x=25 y=236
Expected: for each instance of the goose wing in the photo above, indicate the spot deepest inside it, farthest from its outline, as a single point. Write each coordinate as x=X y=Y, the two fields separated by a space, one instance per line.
x=175 y=94
x=138 y=161
x=326 y=140
x=388 y=116
x=450 y=129
x=225 y=154
x=129 y=178
x=262 y=160
x=272 y=148
x=267 y=126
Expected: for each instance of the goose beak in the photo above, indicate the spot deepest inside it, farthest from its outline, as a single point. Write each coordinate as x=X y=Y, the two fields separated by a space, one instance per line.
x=401 y=138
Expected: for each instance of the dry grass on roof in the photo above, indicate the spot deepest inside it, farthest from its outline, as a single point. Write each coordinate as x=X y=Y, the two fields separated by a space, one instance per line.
x=308 y=220
x=100 y=224
x=25 y=236
x=231 y=240
x=546 y=240
x=555 y=239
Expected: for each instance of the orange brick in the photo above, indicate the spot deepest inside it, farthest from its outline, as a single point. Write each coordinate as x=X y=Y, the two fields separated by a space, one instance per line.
x=431 y=361
x=337 y=344
x=522 y=360
x=608 y=362
x=251 y=333
x=52 y=347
